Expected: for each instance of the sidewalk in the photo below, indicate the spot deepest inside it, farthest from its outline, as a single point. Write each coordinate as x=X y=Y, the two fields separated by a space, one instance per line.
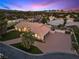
x=13 y=41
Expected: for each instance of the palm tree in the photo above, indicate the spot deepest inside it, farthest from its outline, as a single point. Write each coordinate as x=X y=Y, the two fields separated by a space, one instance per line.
x=65 y=21
x=28 y=39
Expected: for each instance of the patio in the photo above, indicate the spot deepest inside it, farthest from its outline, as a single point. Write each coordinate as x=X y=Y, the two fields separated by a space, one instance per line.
x=56 y=42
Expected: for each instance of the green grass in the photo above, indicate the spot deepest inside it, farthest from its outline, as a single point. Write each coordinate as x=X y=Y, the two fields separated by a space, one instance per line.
x=73 y=39
x=76 y=31
x=10 y=35
x=74 y=44
x=33 y=49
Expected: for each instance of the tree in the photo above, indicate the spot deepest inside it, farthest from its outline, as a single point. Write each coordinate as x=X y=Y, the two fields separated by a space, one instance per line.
x=28 y=39
x=65 y=21
x=3 y=25
x=44 y=20
x=76 y=18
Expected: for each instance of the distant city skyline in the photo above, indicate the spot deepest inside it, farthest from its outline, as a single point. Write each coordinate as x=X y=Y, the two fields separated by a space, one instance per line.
x=39 y=5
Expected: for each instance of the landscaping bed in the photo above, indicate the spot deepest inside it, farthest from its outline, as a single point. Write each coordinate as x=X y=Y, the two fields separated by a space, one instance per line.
x=33 y=49
x=74 y=43
x=10 y=35
x=76 y=31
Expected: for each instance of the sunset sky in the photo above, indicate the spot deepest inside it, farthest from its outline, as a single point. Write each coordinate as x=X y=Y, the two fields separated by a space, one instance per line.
x=37 y=5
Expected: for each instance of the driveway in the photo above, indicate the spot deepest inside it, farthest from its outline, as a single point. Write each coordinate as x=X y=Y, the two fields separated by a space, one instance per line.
x=56 y=42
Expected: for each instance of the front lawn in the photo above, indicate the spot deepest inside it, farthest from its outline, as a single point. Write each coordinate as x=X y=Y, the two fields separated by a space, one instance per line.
x=10 y=35
x=33 y=49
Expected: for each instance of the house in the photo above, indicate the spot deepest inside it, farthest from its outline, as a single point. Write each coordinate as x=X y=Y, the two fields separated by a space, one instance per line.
x=70 y=18
x=39 y=29
x=72 y=24
x=56 y=22
x=51 y=18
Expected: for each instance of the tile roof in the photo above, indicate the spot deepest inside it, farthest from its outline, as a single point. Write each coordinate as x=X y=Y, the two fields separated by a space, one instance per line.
x=35 y=27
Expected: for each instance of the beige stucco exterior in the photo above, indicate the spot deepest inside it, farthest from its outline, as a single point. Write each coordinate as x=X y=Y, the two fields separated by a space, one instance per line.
x=39 y=29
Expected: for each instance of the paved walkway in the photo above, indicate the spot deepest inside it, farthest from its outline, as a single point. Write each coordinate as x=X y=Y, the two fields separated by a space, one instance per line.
x=10 y=30
x=13 y=41
x=57 y=42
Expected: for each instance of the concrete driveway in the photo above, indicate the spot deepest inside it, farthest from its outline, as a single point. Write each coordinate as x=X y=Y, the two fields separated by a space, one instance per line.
x=56 y=42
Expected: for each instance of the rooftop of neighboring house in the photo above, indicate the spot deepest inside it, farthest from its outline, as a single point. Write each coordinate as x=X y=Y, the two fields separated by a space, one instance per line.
x=56 y=22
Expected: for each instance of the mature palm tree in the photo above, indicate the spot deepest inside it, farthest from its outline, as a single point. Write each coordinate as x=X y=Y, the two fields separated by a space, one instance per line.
x=65 y=21
x=28 y=39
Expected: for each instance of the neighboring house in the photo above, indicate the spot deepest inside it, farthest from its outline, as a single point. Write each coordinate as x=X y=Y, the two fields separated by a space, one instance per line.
x=31 y=19
x=68 y=16
x=39 y=29
x=18 y=20
x=51 y=18
x=13 y=22
x=70 y=20
x=56 y=22
x=37 y=18
x=73 y=24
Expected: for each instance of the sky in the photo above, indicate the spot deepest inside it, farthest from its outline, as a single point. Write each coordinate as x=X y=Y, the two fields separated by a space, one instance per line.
x=38 y=5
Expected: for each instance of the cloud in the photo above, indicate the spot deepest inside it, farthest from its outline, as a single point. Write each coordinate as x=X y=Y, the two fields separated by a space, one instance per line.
x=45 y=5
x=5 y=6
